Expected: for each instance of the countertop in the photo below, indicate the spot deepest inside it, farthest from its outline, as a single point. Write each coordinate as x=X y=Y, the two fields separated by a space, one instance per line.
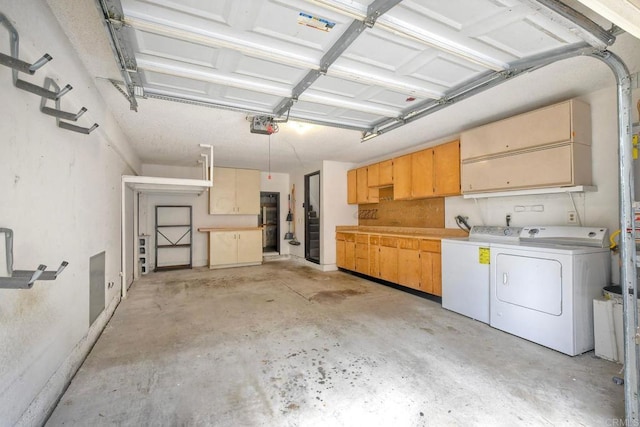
x=209 y=229
x=428 y=233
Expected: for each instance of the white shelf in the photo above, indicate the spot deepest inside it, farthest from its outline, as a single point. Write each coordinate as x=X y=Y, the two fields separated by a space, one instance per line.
x=534 y=191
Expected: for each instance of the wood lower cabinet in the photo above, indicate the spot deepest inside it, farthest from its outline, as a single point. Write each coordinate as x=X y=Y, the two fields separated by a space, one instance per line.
x=407 y=261
x=234 y=248
x=430 y=267
x=374 y=256
x=389 y=258
x=409 y=266
x=346 y=251
x=362 y=253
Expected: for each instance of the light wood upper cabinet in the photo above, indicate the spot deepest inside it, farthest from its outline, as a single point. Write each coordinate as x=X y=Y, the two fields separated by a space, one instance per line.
x=402 y=177
x=235 y=192
x=568 y=121
x=352 y=188
x=380 y=174
x=373 y=175
x=364 y=193
x=422 y=174
x=446 y=169
x=432 y=172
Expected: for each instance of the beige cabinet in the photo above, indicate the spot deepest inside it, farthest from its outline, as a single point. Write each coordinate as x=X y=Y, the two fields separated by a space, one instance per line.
x=352 y=188
x=231 y=248
x=235 y=192
x=549 y=147
x=564 y=165
x=568 y=121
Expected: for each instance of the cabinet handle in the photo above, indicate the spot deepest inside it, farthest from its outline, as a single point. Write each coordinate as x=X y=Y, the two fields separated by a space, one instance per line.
x=505 y=279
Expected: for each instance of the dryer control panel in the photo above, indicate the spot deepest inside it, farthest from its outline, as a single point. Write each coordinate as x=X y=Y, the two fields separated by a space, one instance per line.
x=566 y=235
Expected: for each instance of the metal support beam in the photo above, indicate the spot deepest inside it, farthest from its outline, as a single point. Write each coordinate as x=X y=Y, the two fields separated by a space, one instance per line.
x=568 y=17
x=478 y=85
x=374 y=11
x=113 y=18
x=628 y=277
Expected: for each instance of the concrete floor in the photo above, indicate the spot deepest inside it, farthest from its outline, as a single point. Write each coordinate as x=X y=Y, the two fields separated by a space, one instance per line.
x=285 y=345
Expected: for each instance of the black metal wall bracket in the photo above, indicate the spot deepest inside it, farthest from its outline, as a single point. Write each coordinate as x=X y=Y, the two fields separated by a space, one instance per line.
x=23 y=279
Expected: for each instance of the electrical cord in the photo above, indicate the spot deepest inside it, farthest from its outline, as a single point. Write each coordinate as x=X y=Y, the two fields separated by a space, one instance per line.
x=462 y=223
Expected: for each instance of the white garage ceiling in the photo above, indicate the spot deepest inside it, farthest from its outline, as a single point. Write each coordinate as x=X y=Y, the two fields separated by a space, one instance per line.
x=360 y=67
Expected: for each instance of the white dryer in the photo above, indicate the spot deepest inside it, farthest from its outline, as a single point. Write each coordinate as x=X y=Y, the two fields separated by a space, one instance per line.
x=542 y=288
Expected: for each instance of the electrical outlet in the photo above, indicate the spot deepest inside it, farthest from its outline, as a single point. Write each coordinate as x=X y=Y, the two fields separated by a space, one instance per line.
x=572 y=218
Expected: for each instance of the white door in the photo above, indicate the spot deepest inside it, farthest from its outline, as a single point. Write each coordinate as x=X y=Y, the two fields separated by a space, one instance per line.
x=529 y=282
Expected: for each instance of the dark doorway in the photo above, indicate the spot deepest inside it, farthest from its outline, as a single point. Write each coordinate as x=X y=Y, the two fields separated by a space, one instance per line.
x=269 y=219
x=312 y=217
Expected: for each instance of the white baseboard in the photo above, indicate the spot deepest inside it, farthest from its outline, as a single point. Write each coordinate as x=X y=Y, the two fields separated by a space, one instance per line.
x=45 y=402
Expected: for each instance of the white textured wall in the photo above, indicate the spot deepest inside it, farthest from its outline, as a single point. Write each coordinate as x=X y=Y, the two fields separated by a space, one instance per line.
x=61 y=195
x=335 y=210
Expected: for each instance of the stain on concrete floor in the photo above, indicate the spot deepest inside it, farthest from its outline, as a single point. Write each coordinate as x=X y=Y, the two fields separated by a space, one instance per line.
x=286 y=345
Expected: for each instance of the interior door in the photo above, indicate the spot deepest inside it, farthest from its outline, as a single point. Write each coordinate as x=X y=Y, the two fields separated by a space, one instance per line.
x=529 y=282
x=312 y=217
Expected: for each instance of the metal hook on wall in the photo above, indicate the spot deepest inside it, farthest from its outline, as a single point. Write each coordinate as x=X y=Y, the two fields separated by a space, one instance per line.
x=59 y=114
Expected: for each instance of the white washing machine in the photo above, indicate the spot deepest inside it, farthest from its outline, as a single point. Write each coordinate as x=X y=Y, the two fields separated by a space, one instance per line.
x=465 y=270
x=542 y=288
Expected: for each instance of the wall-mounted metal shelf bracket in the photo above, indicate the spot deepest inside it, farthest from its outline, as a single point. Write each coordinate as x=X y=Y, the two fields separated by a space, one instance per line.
x=18 y=65
x=59 y=114
x=12 y=60
x=23 y=279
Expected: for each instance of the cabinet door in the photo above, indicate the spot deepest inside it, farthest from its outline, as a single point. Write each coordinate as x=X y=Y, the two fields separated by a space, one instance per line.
x=247 y=192
x=249 y=246
x=374 y=256
x=389 y=258
x=223 y=248
x=541 y=168
x=222 y=196
x=373 y=172
x=385 y=173
x=431 y=269
x=350 y=255
x=352 y=188
x=446 y=169
x=402 y=177
x=409 y=266
x=362 y=253
x=341 y=253
x=563 y=122
x=422 y=174
x=361 y=185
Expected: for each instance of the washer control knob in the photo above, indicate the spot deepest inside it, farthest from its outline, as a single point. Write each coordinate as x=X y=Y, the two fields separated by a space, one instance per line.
x=592 y=234
x=533 y=231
